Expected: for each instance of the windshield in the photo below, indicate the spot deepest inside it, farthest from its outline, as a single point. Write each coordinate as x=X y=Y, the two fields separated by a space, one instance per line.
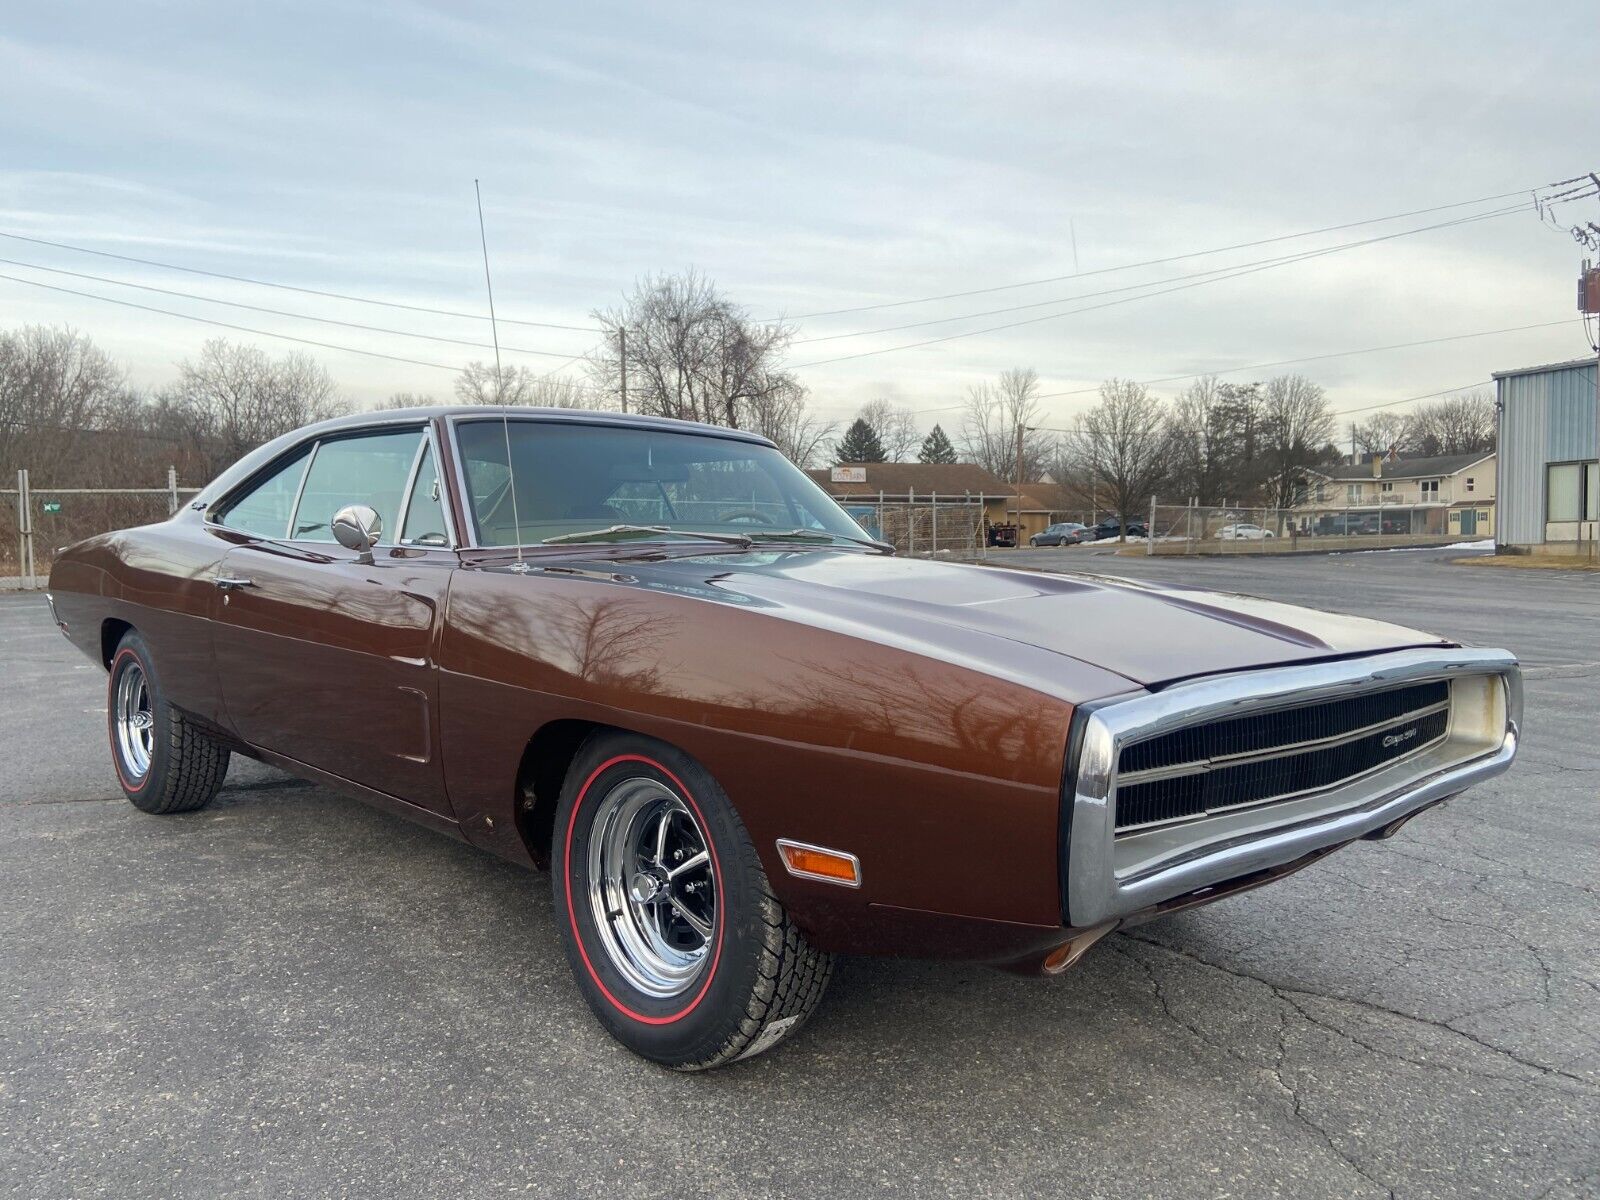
x=572 y=479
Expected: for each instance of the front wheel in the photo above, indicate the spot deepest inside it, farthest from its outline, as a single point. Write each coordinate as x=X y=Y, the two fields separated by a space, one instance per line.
x=164 y=763
x=678 y=944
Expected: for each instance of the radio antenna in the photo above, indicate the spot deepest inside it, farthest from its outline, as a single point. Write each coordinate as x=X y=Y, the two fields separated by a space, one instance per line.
x=499 y=380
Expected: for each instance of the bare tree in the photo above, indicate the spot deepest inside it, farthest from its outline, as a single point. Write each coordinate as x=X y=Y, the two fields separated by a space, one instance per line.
x=896 y=427
x=994 y=414
x=1384 y=431
x=1204 y=439
x=691 y=353
x=235 y=397
x=1122 y=446
x=1296 y=424
x=55 y=384
x=407 y=400
x=481 y=383
x=1459 y=425
x=780 y=414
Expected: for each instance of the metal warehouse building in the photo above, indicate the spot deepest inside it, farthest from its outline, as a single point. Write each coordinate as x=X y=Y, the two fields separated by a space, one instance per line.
x=1549 y=484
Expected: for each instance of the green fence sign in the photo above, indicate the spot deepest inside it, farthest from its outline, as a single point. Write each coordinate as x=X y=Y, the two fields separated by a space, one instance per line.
x=52 y=506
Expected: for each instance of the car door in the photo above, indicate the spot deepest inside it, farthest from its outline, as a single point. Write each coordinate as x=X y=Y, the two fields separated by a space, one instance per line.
x=326 y=656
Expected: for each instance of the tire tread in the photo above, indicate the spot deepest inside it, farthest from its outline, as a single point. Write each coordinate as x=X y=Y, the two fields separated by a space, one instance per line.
x=796 y=971
x=193 y=765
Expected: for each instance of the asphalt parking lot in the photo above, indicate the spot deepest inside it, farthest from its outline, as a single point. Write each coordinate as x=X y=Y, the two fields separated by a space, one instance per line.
x=290 y=994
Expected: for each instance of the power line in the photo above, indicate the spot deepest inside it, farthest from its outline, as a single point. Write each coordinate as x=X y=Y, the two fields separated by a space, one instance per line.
x=167 y=312
x=1233 y=273
x=1132 y=287
x=1285 y=362
x=289 y=287
x=1465 y=387
x=1153 y=262
x=278 y=312
x=1343 y=412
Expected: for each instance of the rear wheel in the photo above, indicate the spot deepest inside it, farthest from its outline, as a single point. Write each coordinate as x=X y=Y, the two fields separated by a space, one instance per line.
x=164 y=763
x=677 y=942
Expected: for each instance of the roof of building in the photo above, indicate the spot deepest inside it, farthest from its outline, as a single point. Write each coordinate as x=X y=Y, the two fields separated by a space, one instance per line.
x=1573 y=364
x=1409 y=468
x=1049 y=497
x=896 y=479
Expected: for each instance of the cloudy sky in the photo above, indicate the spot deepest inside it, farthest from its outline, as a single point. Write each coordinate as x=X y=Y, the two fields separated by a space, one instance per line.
x=812 y=158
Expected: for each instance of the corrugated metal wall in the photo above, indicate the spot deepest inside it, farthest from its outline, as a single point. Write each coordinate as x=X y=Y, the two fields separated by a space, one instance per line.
x=1547 y=416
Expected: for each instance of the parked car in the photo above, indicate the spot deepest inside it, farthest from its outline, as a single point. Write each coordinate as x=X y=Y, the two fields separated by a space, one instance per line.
x=1345 y=524
x=1112 y=527
x=743 y=737
x=1244 y=532
x=1062 y=533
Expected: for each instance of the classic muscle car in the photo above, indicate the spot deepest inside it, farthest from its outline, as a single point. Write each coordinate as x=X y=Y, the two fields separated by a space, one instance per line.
x=657 y=660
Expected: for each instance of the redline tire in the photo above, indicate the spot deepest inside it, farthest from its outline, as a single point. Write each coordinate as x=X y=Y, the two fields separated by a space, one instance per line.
x=756 y=979
x=163 y=762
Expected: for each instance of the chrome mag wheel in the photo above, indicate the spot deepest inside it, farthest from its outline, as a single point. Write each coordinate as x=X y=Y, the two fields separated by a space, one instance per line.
x=652 y=887
x=135 y=722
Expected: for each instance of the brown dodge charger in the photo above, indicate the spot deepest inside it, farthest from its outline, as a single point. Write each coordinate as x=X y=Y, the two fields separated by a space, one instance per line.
x=658 y=660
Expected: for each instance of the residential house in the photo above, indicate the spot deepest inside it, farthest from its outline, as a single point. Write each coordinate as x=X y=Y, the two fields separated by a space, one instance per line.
x=1445 y=496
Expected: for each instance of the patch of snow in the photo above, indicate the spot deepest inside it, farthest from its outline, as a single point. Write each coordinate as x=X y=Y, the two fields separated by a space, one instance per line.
x=1486 y=544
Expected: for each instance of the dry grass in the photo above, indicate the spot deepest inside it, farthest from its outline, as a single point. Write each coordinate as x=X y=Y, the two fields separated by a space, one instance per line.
x=1532 y=562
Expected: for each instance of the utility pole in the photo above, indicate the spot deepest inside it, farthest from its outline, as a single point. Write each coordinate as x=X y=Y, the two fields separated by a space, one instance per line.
x=1589 y=305
x=622 y=355
x=1021 y=429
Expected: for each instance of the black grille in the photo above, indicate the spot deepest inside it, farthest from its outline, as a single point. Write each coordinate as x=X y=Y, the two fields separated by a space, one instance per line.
x=1176 y=797
x=1285 y=727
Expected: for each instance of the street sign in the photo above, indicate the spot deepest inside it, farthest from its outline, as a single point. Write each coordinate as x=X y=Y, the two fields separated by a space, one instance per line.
x=52 y=506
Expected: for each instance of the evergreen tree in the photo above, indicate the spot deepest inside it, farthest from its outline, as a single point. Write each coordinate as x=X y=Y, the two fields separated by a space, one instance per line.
x=860 y=444
x=936 y=448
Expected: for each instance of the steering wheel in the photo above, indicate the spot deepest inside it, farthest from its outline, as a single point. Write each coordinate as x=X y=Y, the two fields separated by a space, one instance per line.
x=745 y=516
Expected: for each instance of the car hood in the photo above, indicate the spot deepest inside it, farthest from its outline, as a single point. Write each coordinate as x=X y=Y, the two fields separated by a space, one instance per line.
x=1151 y=634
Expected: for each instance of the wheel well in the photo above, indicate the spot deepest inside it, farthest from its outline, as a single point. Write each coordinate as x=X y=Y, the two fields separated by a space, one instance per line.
x=112 y=631
x=543 y=769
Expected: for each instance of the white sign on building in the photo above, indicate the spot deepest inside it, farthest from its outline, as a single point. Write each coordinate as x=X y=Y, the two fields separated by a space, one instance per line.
x=849 y=475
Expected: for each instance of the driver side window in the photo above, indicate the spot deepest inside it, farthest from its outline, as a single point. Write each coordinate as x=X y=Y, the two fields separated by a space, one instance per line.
x=369 y=469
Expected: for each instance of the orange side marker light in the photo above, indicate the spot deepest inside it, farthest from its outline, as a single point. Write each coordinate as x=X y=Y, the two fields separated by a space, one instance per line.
x=818 y=862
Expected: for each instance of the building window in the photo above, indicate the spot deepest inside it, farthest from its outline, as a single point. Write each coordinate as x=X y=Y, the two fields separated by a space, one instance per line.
x=1430 y=489
x=1388 y=487
x=1322 y=491
x=1470 y=482
x=1565 y=488
x=1352 y=492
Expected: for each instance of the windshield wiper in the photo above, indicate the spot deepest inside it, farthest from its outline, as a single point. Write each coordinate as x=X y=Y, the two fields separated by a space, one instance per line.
x=819 y=536
x=613 y=533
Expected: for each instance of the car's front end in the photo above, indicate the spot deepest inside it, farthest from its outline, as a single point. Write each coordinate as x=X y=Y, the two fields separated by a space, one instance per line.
x=1184 y=795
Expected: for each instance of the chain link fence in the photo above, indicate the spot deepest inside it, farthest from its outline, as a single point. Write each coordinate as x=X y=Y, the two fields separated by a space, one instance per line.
x=923 y=527
x=1242 y=529
x=36 y=520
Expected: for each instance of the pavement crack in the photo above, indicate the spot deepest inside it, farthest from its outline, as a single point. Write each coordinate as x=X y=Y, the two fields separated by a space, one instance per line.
x=1286 y=994
x=1275 y=1069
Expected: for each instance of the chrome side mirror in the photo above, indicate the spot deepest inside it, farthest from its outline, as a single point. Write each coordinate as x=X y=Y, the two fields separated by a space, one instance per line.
x=358 y=527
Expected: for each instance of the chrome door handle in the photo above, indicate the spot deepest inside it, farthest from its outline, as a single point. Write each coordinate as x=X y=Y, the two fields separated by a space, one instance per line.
x=229 y=584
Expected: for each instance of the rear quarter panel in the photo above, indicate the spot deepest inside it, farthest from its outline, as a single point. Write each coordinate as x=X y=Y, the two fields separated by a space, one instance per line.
x=158 y=579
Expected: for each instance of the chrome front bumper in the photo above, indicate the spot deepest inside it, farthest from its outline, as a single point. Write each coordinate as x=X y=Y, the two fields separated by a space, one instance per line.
x=1110 y=877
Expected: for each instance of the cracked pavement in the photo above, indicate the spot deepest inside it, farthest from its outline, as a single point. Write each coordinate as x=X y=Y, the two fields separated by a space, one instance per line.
x=290 y=994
